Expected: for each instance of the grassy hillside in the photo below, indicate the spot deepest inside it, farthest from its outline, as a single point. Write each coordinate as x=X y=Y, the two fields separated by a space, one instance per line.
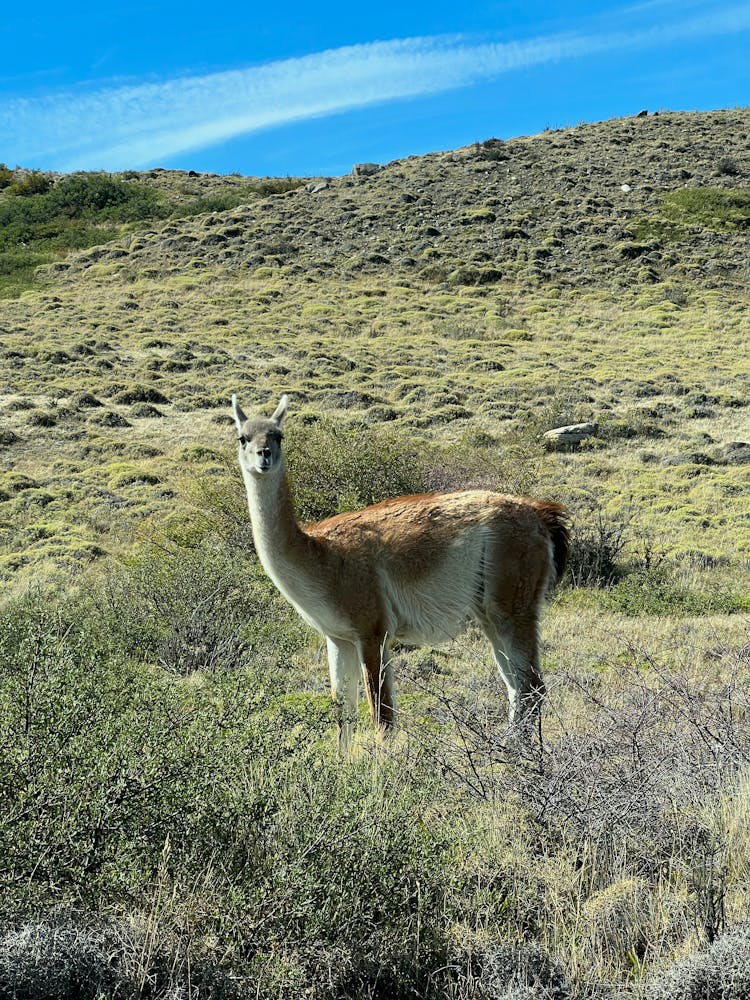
x=166 y=759
x=495 y=291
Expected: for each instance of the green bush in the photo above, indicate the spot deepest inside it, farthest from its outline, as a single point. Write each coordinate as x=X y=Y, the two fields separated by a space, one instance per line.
x=265 y=186
x=103 y=196
x=191 y=608
x=85 y=750
x=244 y=193
x=656 y=592
x=203 y=830
x=71 y=214
x=125 y=788
x=31 y=184
x=336 y=467
x=712 y=208
x=45 y=219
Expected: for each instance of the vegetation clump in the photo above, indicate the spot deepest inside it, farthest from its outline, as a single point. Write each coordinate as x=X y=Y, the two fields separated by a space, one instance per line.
x=713 y=208
x=174 y=801
x=719 y=972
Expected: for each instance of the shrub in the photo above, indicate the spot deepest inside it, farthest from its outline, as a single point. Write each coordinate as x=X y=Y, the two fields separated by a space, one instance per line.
x=597 y=543
x=211 y=822
x=721 y=972
x=31 y=184
x=61 y=957
x=96 y=768
x=40 y=418
x=728 y=166
x=68 y=954
x=189 y=608
x=7 y=437
x=359 y=859
x=210 y=811
x=140 y=394
x=522 y=972
x=336 y=467
x=265 y=186
x=654 y=591
x=712 y=208
x=223 y=201
x=103 y=196
x=491 y=149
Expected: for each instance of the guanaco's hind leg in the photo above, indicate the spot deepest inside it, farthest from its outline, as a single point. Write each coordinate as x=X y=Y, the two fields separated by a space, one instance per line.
x=378 y=677
x=343 y=664
x=516 y=651
x=514 y=585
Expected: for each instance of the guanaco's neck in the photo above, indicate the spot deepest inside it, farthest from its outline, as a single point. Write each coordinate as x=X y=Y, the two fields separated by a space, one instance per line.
x=279 y=540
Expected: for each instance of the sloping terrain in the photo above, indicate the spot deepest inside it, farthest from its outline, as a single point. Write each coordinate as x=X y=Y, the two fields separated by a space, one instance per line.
x=573 y=207
x=598 y=272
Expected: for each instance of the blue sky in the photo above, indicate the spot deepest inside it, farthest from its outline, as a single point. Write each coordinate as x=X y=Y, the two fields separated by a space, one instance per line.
x=310 y=89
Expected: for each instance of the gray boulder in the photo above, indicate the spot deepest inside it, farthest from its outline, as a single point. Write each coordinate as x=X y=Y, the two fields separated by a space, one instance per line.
x=365 y=169
x=568 y=437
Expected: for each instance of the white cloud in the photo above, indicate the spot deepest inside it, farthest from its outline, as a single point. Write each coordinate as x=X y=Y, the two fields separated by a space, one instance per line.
x=139 y=125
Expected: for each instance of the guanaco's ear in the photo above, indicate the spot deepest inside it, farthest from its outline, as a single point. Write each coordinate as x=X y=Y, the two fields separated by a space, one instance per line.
x=239 y=416
x=280 y=412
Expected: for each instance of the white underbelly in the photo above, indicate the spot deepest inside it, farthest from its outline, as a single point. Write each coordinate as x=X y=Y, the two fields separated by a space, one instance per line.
x=433 y=610
x=430 y=634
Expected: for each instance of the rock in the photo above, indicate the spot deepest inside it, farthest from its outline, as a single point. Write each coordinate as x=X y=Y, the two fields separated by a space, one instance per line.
x=688 y=458
x=569 y=437
x=7 y=437
x=316 y=186
x=365 y=169
x=734 y=453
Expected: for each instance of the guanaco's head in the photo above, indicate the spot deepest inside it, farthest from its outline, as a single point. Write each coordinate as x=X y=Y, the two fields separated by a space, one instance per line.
x=259 y=438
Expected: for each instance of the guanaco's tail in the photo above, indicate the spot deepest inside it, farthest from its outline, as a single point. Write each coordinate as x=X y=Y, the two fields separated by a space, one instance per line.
x=557 y=520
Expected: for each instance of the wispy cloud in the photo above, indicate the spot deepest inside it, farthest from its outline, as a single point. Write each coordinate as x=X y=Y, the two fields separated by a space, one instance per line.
x=135 y=126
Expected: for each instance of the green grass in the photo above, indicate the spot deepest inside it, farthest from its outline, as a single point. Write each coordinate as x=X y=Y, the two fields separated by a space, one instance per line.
x=681 y=213
x=473 y=407
x=711 y=208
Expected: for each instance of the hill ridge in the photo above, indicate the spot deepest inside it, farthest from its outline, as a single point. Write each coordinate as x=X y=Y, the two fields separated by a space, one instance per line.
x=568 y=205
